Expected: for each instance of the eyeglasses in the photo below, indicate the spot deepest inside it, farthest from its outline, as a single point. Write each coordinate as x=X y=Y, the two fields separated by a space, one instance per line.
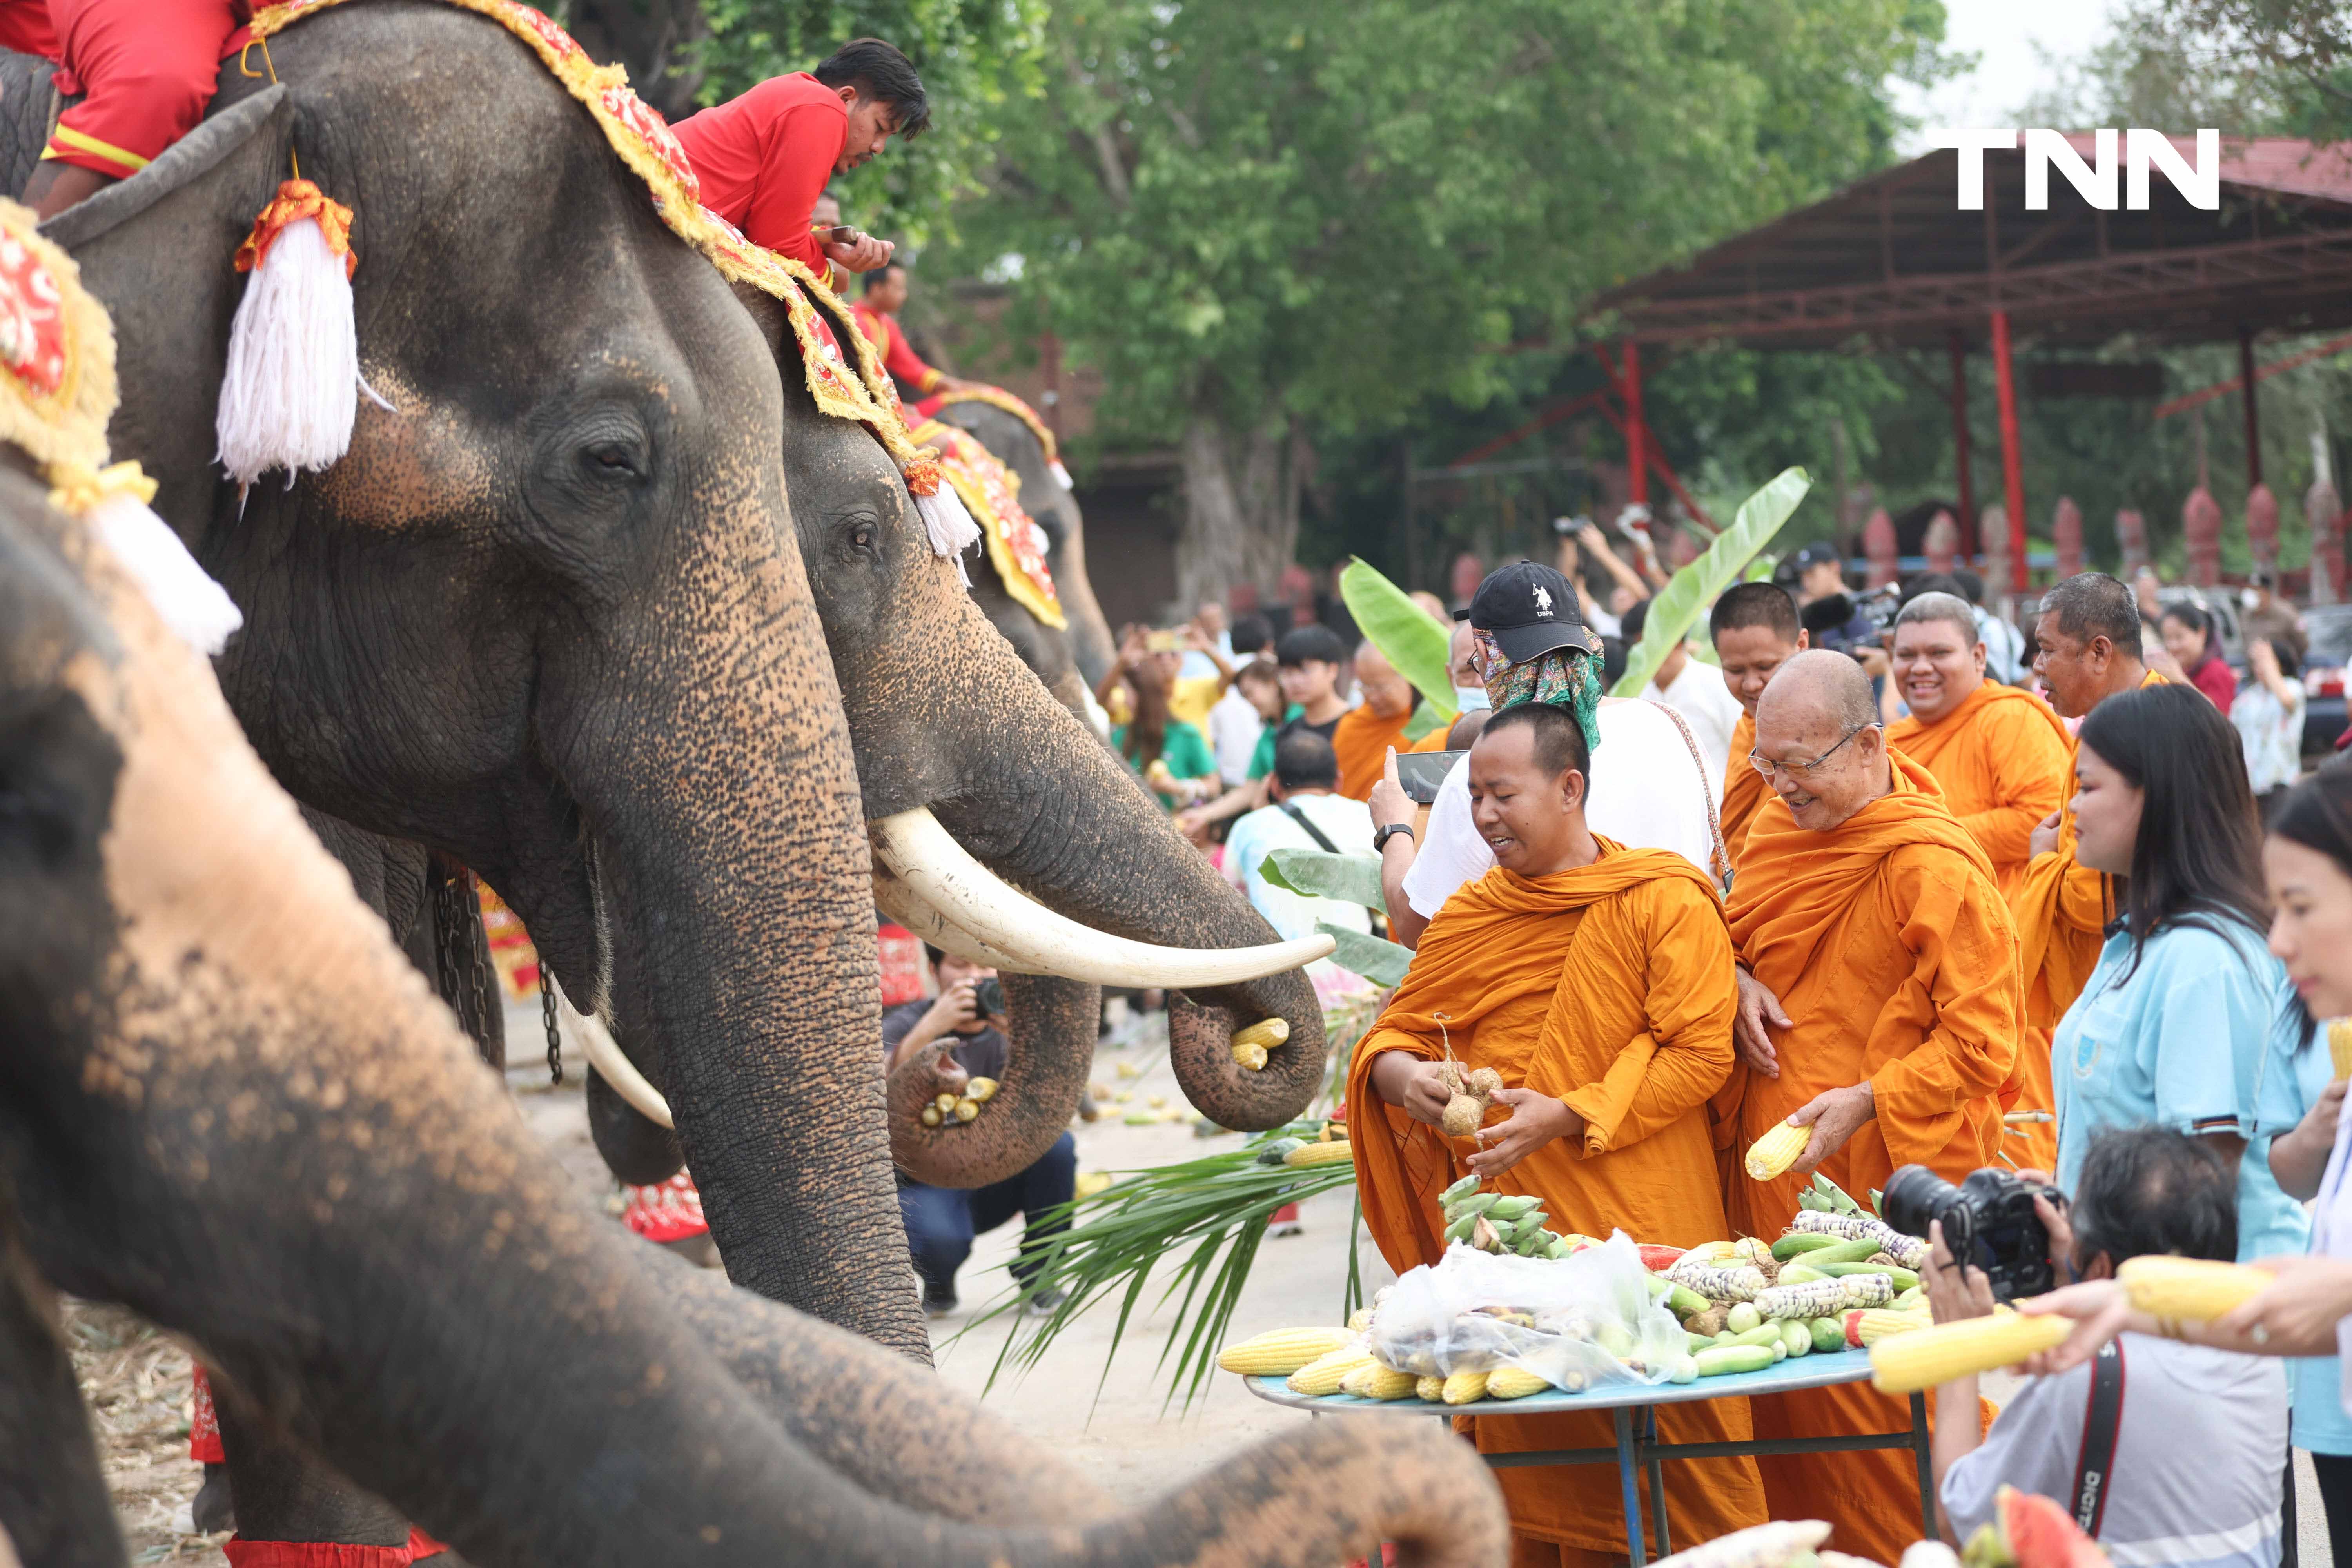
x=1768 y=767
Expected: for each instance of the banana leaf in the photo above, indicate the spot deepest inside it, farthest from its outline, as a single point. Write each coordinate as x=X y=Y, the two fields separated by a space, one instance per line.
x=1407 y=636
x=1382 y=962
x=1318 y=874
x=1679 y=604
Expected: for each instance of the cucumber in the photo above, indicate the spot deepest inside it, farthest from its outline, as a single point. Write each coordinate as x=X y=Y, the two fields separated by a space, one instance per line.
x=1801 y=1241
x=1459 y=1190
x=1907 y=1300
x=1684 y=1302
x=1762 y=1334
x=1725 y=1359
x=1904 y=1278
x=1697 y=1343
x=1853 y=1251
x=1722 y=1336
x=1273 y=1153
x=1798 y=1274
x=1798 y=1336
x=1743 y=1316
x=1829 y=1334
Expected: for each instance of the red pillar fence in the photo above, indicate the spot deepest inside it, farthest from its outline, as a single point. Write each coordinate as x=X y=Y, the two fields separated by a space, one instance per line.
x=2066 y=534
x=2200 y=531
x=1878 y=545
x=2131 y=533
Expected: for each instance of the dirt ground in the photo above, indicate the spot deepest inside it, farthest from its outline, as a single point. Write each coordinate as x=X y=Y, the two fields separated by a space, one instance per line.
x=1113 y=1422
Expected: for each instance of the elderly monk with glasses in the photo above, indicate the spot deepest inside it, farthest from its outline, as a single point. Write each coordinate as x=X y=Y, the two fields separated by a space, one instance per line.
x=1880 y=1005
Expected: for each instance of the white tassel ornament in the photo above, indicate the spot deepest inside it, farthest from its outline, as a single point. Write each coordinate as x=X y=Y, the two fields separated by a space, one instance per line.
x=945 y=517
x=289 y=395
x=113 y=502
x=1062 y=475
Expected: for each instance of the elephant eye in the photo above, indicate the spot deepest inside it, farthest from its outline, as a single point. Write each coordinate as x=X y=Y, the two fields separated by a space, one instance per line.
x=614 y=459
x=864 y=535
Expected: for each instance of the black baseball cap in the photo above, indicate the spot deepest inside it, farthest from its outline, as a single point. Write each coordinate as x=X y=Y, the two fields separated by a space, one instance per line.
x=1812 y=555
x=1529 y=609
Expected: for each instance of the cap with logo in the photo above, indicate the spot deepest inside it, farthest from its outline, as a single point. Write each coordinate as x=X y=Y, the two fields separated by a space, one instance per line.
x=1529 y=609
x=1815 y=554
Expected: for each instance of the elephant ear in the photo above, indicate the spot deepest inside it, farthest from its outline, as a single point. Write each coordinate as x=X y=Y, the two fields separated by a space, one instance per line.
x=157 y=252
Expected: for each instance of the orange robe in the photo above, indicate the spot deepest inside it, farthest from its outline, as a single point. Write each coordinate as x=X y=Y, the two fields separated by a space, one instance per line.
x=1433 y=742
x=1610 y=986
x=2062 y=909
x=1887 y=942
x=1745 y=793
x=2005 y=761
x=1361 y=743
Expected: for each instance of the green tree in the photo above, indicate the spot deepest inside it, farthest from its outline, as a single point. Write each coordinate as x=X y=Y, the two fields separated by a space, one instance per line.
x=1273 y=224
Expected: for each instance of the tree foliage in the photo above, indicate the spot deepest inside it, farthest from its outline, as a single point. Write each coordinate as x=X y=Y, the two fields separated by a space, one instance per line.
x=1265 y=221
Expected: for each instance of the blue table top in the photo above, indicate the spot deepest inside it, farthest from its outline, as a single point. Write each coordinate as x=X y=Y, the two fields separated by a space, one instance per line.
x=1824 y=1369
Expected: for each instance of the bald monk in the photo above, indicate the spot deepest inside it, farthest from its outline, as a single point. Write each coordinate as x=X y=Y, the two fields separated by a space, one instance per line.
x=1880 y=1005
x=1596 y=979
x=1367 y=731
x=2088 y=649
x=1755 y=631
x=1469 y=693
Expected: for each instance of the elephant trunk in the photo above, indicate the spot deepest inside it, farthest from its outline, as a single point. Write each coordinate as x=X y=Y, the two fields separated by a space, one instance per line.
x=1052 y=1042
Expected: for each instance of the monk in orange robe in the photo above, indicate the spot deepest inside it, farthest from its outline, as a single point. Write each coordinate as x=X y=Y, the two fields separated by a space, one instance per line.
x=1467 y=682
x=2088 y=642
x=1597 y=980
x=1367 y=731
x=1880 y=1006
x=1755 y=631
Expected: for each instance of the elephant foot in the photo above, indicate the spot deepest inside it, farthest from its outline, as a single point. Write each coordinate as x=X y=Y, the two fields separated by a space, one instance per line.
x=211 y=1510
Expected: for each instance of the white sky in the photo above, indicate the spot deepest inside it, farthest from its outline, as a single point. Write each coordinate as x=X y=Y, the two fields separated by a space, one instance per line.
x=2003 y=35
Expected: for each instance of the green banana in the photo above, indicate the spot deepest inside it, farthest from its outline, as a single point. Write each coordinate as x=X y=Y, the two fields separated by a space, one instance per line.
x=1473 y=1206
x=1512 y=1207
x=1458 y=1191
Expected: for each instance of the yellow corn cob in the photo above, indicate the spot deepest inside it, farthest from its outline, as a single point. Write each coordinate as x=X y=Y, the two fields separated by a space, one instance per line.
x=982 y=1089
x=1251 y=1057
x=931 y=1116
x=2190 y=1287
x=1319 y=1153
x=1876 y=1324
x=1514 y=1383
x=966 y=1108
x=1278 y=1352
x=1906 y=1363
x=1463 y=1388
x=1267 y=1032
x=1386 y=1383
x=1778 y=1150
x=944 y=1100
x=2339 y=1045
x=1320 y=1377
x=1430 y=1390
x=1360 y=1378
x=1359 y=1319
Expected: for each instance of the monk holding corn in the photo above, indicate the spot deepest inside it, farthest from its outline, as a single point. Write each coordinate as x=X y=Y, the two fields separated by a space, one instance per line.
x=2088 y=650
x=1596 y=981
x=1880 y=1007
x=1755 y=631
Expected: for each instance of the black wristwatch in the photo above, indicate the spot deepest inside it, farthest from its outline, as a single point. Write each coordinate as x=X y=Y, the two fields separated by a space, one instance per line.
x=1380 y=838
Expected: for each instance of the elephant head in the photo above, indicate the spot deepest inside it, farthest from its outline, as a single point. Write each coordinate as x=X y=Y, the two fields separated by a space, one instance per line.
x=1085 y=648
x=230 y=1103
x=545 y=616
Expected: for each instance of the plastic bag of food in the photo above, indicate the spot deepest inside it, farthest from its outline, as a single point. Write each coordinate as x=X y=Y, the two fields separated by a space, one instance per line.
x=1584 y=1321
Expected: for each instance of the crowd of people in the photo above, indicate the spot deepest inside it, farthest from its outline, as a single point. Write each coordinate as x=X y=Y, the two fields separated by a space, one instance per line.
x=1944 y=890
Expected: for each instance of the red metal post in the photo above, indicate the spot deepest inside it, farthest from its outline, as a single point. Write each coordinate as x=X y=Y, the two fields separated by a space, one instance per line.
x=1960 y=459
x=1878 y=546
x=2012 y=469
x=2066 y=534
x=1637 y=435
x=2253 y=411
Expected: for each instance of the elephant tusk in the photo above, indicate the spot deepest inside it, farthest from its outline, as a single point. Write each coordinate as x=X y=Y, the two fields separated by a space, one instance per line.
x=916 y=849
x=905 y=906
x=612 y=1064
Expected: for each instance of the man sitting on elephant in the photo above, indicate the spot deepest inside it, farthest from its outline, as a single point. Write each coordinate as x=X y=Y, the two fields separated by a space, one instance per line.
x=942 y=1221
x=878 y=318
x=143 y=70
x=763 y=158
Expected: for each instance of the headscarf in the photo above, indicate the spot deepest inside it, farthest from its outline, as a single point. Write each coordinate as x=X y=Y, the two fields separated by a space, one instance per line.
x=1565 y=677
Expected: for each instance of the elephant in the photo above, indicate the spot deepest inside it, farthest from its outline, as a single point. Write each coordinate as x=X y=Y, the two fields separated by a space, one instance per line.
x=235 y=1107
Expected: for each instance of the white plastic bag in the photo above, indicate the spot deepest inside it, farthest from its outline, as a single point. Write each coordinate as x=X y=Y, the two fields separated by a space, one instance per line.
x=1586 y=1321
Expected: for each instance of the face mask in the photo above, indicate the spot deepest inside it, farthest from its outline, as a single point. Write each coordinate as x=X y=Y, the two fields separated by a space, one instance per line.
x=1470 y=698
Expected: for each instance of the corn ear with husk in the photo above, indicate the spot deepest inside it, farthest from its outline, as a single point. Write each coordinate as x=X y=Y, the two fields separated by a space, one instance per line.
x=1772 y=1154
x=1813 y=1298
x=1718 y=1284
x=1278 y=1352
x=1908 y=1251
x=2190 y=1289
x=1909 y=1363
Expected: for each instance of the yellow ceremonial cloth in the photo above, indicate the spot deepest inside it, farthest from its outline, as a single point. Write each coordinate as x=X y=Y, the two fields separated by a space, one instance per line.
x=1887 y=942
x=1610 y=987
x=1361 y=742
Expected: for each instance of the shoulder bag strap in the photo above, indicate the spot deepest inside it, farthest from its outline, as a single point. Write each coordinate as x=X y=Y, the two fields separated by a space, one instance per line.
x=1313 y=832
x=2102 y=1419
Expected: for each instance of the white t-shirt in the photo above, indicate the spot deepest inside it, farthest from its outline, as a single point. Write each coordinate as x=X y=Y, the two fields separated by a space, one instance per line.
x=1348 y=823
x=1233 y=728
x=1708 y=706
x=2209 y=1501
x=1646 y=792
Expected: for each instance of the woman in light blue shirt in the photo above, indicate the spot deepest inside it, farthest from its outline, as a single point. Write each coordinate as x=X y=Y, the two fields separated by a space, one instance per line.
x=2188 y=1021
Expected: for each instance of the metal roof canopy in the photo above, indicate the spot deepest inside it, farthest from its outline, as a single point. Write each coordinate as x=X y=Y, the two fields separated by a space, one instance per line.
x=1892 y=260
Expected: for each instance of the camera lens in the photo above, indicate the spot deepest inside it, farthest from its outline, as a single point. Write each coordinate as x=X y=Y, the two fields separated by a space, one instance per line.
x=1915 y=1197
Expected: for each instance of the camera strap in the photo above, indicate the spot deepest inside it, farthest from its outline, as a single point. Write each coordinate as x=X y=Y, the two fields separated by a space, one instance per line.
x=1313 y=832
x=2101 y=1421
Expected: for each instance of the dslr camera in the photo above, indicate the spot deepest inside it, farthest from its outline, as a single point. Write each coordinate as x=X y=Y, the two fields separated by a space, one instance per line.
x=1988 y=1223
x=988 y=995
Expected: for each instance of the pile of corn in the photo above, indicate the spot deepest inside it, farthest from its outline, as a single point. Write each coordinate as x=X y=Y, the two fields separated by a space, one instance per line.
x=955 y=1109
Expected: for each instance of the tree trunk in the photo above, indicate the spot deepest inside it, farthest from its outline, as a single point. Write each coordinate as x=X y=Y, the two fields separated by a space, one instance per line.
x=1241 y=507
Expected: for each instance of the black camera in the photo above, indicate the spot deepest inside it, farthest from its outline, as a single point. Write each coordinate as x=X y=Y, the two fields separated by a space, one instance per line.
x=1989 y=1222
x=988 y=995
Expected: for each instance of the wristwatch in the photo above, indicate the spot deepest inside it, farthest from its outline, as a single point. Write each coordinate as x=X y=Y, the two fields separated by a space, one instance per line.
x=1380 y=838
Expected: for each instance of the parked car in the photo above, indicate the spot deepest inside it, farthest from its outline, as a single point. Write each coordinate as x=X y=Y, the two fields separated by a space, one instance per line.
x=2327 y=628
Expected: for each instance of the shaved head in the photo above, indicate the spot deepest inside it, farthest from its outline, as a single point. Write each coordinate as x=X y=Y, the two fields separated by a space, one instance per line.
x=1939 y=607
x=1817 y=726
x=1385 y=691
x=1938 y=659
x=1829 y=684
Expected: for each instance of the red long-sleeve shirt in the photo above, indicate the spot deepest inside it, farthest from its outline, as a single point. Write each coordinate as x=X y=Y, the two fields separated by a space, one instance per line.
x=899 y=356
x=764 y=159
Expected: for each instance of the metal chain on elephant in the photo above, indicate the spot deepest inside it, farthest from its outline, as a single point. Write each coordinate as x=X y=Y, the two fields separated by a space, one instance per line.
x=464 y=977
x=547 y=1018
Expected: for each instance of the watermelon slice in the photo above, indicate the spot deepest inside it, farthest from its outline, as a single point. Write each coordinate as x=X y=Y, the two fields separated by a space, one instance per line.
x=2028 y=1531
x=1658 y=1259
